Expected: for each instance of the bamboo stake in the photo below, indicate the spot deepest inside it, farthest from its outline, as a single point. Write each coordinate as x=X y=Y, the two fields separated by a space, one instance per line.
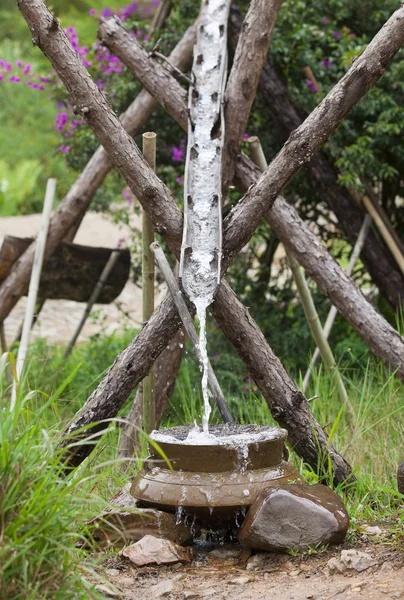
x=149 y=382
x=384 y=232
x=3 y=341
x=160 y=16
x=189 y=327
x=333 y=311
x=93 y=298
x=309 y=308
x=34 y=285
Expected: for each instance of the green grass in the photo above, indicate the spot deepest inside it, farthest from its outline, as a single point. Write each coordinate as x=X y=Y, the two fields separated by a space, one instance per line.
x=42 y=513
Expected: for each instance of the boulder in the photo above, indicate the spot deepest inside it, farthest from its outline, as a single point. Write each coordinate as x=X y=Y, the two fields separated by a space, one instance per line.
x=294 y=517
x=151 y=550
x=124 y=521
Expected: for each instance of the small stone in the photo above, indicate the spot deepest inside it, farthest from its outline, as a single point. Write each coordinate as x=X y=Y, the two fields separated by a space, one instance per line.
x=294 y=517
x=125 y=522
x=372 y=530
x=112 y=572
x=242 y=580
x=108 y=591
x=151 y=550
x=190 y=595
x=164 y=588
x=350 y=560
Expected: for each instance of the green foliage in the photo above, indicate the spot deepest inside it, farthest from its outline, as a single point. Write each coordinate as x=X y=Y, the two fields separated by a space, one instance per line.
x=41 y=511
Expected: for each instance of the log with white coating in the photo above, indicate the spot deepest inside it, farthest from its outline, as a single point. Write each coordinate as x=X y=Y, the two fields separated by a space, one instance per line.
x=202 y=235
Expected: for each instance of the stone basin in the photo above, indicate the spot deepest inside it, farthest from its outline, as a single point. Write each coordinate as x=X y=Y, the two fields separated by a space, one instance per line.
x=214 y=478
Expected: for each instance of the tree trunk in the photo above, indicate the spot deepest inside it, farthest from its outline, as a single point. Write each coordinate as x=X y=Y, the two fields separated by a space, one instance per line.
x=375 y=256
x=72 y=271
x=250 y=54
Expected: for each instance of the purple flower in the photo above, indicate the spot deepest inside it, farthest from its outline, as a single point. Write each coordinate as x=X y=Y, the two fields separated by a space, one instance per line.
x=64 y=149
x=7 y=67
x=14 y=79
x=325 y=21
x=178 y=153
x=92 y=11
x=27 y=69
x=336 y=35
x=216 y=356
x=107 y=12
x=314 y=89
x=1 y=62
x=352 y=36
x=1 y=76
x=218 y=325
x=309 y=82
x=19 y=63
x=246 y=136
x=326 y=63
x=246 y=388
x=179 y=179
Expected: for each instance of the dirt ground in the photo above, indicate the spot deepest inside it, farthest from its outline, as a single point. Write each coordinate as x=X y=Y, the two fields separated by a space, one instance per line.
x=231 y=574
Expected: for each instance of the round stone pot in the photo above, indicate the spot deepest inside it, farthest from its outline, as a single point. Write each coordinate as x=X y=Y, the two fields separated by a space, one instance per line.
x=213 y=478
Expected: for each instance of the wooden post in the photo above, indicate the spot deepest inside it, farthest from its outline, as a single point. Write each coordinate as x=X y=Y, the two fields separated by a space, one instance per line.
x=93 y=299
x=310 y=311
x=34 y=285
x=190 y=329
x=333 y=311
x=149 y=399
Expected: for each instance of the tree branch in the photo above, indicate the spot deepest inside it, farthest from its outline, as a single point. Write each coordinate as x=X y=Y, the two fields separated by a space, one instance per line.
x=250 y=54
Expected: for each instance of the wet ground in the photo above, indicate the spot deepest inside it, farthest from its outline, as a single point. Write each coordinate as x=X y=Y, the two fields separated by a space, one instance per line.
x=229 y=573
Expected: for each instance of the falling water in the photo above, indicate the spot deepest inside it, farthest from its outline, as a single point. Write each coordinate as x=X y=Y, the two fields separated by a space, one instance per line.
x=201 y=307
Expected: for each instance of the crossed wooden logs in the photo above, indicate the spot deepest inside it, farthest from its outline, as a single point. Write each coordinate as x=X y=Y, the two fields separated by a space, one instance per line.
x=287 y=403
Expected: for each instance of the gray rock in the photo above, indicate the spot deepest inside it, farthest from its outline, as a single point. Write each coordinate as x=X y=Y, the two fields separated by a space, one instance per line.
x=350 y=560
x=294 y=517
x=151 y=550
x=125 y=522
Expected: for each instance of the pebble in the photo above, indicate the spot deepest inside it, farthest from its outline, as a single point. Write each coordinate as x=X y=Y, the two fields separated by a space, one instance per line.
x=350 y=560
x=108 y=591
x=242 y=580
x=112 y=572
x=164 y=588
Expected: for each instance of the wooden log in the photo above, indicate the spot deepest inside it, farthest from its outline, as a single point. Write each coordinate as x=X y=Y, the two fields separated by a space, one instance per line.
x=382 y=339
x=148 y=385
x=250 y=53
x=72 y=272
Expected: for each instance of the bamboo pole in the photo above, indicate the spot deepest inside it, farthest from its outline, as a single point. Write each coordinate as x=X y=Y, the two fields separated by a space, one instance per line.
x=149 y=382
x=34 y=285
x=189 y=327
x=111 y=262
x=384 y=232
x=309 y=308
x=333 y=311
